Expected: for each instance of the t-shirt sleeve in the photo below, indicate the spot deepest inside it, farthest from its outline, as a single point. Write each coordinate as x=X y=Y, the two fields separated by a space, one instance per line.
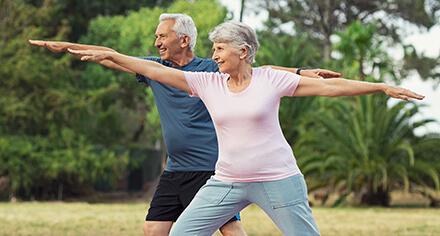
x=285 y=83
x=142 y=79
x=198 y=82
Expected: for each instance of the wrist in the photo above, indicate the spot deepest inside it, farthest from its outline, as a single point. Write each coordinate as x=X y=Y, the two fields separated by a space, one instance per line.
x=68 y=45
x=112 y=54
x=383 y=87
x=298 y=71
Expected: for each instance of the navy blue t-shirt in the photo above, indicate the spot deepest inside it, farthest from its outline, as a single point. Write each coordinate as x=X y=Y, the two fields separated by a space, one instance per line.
x=187 y=127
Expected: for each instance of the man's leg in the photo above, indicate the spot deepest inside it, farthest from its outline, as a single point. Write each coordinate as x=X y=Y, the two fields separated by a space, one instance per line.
x=233 y=228
x=165 y=207
x=157 y=228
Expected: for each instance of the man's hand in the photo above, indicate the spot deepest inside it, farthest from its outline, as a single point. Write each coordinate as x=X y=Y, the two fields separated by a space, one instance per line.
x=320 y=73
x=53 y=46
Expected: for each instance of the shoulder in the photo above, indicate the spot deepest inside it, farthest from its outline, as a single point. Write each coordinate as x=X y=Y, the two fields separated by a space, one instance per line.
x=263 y=71
x=206 y=75
x=156 y=59
x=205 y=64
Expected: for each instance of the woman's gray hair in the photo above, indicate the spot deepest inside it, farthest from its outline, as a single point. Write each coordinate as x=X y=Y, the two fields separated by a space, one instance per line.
x=239 y=35
x=183 y=26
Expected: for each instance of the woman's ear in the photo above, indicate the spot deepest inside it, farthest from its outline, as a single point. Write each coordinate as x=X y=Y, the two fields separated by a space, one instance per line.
x=244 y=51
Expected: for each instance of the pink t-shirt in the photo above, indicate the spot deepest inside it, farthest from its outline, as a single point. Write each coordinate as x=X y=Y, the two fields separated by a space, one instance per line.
x=252 y=146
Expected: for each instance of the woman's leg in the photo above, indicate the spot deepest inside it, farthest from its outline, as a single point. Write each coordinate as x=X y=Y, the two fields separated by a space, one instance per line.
x=214 y=204
x=285 y=201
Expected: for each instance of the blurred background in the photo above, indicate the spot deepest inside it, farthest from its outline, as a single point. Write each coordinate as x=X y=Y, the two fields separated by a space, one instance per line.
x=72 y=130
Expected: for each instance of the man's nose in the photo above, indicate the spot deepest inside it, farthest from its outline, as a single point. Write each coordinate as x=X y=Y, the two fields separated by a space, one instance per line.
x=157 y=43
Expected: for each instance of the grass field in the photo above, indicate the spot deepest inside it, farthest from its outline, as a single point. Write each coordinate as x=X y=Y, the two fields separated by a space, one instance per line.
x=126 y=219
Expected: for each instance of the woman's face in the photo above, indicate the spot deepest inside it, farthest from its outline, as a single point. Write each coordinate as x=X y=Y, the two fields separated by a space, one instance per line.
x=227 y=57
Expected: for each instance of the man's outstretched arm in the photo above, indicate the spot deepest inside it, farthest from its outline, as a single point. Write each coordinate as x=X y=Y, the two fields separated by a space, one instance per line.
x=59 y=46
x=311 y=73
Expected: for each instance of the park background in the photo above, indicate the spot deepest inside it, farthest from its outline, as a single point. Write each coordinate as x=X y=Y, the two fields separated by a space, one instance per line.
x=81 y=146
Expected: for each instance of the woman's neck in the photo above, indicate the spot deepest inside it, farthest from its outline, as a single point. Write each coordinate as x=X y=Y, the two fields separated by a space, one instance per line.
x=242 y=75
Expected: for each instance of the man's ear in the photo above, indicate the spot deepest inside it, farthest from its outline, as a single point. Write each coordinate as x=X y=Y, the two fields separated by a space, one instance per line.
x=184 y=41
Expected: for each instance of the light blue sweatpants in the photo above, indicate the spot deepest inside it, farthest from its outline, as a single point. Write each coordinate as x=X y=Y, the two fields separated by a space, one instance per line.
x=285 y=201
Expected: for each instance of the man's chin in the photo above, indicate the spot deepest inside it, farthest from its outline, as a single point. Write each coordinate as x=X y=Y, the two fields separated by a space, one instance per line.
x=164 y=56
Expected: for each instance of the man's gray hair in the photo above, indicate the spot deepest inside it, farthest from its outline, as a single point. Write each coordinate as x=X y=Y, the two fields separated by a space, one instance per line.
x=239 y=35
x=183 y=26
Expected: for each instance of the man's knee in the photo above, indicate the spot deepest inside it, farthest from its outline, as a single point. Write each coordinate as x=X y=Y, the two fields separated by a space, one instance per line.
x=233 y=228
x=157 y=228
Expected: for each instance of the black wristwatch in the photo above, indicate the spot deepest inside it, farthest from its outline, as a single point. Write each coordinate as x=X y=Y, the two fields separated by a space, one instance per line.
x=298 y=71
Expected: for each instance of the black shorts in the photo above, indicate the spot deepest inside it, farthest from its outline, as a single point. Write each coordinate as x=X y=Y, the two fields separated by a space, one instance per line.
x=174 y=193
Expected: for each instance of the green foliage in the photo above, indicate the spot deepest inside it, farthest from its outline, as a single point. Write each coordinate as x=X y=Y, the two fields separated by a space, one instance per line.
x=44 y=110
x=367 y=148
x=77 y=14
x=61 y=121
x=38 y=164
x=361 y=51
x=323 y=19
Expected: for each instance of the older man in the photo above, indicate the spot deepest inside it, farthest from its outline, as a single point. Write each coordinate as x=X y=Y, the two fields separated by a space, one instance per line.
x=186 y=124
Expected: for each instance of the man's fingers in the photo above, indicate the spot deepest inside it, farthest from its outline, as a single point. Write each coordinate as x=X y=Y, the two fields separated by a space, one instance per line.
x=333 y=73
x=37 y=42
x=328 y=73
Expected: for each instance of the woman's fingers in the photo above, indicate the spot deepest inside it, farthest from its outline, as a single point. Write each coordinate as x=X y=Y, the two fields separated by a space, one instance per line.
x=85 y=58
x=404 y=94
x=415 y=95
x=88 y=55
x=410 y=94
x=78 y=52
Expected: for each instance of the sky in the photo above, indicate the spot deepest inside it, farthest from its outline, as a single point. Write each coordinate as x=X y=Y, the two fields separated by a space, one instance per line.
x=427 y=43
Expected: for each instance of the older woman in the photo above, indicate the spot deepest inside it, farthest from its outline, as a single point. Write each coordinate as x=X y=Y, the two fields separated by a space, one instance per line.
x=256 y=164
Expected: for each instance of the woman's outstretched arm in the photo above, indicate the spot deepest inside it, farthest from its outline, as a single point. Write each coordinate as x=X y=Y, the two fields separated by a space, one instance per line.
x=150 y=69
x=337 y=87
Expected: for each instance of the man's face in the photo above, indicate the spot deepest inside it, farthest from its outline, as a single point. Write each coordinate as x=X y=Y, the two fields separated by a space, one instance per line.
x=167 y=41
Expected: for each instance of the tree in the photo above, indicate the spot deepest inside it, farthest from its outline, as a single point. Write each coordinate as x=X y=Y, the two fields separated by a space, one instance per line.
x=367 y=150
x=427 y=148
x=322 y=19
x=77 y=14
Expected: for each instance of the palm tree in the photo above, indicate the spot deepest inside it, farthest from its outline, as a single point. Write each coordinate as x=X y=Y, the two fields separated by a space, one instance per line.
x=364 y=147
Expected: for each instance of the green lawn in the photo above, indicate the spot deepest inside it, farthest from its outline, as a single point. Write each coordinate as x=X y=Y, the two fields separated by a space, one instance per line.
x=126 y=219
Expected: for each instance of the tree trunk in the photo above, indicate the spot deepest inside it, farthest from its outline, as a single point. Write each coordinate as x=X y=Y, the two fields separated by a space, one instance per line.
x=242 y=10
x=381 y=197
x=327 y=49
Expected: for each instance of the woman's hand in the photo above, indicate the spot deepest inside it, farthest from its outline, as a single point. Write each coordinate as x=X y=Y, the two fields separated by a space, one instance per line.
x=401 y=93
x=92 y=55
